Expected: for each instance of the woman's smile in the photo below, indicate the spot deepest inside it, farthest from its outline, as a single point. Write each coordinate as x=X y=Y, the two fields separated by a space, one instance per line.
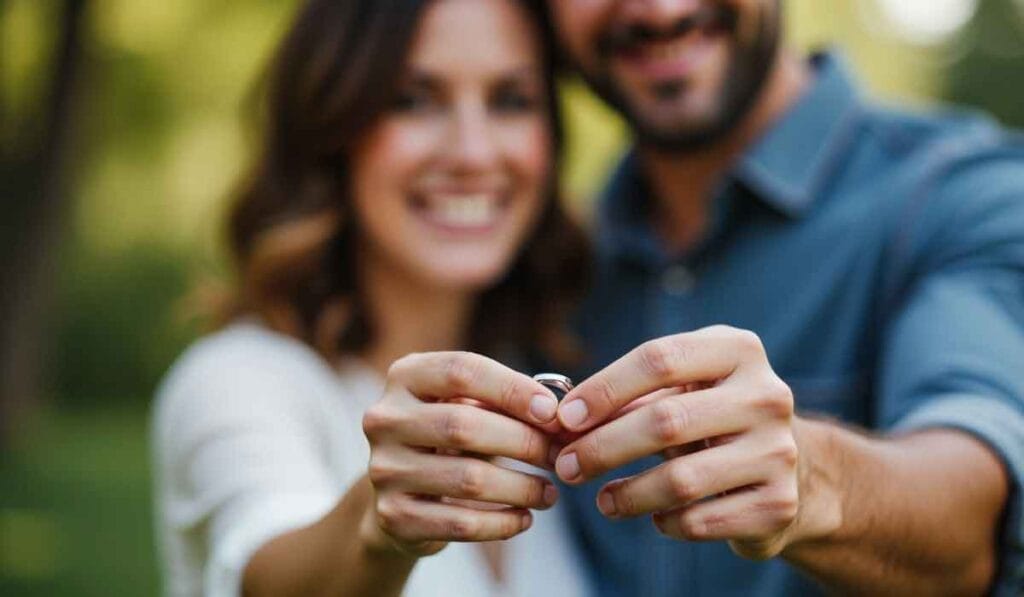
x=461 y=212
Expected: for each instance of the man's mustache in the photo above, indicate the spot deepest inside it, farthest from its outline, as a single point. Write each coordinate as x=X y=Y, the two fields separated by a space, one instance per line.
x=625 y=37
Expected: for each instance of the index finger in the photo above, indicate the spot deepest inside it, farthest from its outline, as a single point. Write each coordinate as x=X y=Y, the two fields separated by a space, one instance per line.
x=705 y=355
x=448 y=375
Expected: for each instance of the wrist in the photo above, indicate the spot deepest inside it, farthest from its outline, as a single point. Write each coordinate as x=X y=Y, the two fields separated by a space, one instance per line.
x=821 y=486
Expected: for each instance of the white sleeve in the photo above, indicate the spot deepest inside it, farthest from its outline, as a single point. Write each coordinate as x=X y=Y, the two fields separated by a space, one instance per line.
x=245 y=455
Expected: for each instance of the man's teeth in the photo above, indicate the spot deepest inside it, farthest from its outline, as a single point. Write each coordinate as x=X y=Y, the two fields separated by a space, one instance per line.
x=465 y=211
x=669 y=50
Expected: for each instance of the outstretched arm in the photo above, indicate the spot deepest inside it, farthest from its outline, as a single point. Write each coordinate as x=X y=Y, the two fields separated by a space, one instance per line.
x=917 y=514
x=341 y=554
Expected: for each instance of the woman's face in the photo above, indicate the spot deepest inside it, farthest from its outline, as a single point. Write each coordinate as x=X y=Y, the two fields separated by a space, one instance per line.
x=449 y=183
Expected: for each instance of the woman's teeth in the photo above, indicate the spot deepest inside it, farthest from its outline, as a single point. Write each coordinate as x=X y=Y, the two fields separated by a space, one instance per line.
x=465 y=211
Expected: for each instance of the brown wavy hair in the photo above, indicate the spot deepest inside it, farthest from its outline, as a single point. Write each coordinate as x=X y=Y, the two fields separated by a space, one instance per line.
x=291 y=232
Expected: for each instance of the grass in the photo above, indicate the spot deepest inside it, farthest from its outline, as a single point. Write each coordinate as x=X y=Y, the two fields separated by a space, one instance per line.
x=75 y=507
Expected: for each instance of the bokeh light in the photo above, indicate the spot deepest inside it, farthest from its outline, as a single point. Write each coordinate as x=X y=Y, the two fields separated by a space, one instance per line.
x=926 y=22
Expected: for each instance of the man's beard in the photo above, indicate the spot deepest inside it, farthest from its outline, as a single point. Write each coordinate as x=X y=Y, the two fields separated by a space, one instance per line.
x=751 y=61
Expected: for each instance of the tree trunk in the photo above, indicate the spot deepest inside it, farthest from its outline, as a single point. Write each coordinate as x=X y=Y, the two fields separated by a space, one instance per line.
x=33 y=208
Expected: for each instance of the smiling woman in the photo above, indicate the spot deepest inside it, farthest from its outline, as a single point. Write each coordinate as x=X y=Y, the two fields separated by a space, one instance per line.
x=404 y=202
x=440 y=167
x=451 y=181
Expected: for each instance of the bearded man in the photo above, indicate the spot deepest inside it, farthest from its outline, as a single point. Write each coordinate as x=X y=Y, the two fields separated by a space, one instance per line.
x=806 y=338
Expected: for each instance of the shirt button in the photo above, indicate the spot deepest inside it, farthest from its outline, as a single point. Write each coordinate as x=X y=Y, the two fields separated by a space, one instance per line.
x=678 y=280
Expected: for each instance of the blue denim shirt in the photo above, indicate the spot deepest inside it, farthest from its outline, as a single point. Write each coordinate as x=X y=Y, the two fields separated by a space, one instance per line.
x=880 y=257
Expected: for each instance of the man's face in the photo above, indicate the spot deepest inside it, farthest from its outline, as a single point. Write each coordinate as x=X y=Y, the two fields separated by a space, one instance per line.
x=683 y=72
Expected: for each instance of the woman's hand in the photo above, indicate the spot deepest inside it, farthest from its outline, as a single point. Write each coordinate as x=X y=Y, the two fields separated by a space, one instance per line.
x=432 y=435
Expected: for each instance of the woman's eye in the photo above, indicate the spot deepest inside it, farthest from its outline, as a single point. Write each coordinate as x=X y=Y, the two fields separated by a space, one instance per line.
x=412 y=101
x=514 y=101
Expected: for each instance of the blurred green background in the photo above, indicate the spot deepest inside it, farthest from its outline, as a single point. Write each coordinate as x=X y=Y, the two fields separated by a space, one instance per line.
x=122 y=131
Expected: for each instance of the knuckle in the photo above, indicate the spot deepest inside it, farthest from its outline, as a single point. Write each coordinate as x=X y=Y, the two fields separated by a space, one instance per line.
x=509 y=395
x=780 y=507
x=510 y=527
x=658 y=358
x=471 y=481
x=780 y=519
x=457 y=428
x=400 y=366
x=534 y=492
x=389 y=515
x=380 y=471
x=591 y=458
x=693 y=527
x=460 y=372
x=790 y=504
x=715 y=524
x=623 y=498
x=463 y=528
x=718 y=329
x=788 y=515
x=669 y=420
x=605 y=392
x=682 y=484
x=377 y=420
x=786 y=452
x=747 y=341
x=534 y=447
x=774 y=398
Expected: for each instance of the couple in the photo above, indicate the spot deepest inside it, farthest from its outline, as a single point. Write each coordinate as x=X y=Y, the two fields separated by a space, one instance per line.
x=346 y=434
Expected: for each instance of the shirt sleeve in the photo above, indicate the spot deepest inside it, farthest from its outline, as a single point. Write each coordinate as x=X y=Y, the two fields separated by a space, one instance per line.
x=953 y=353
x=246 y=459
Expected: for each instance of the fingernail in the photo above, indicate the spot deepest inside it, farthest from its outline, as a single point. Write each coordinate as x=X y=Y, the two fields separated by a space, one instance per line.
x=574 y=413
x=527 y=521
x=550 y=495
x=553 y=453
x=568 y=466
x=606 y=504
x=543 y=408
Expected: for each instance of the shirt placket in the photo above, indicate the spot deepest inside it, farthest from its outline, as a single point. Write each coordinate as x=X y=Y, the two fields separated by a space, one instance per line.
x=671 y=291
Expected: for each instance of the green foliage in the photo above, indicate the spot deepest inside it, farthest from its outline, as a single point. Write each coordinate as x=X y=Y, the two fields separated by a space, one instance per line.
x=26 y=46
x=118 y=328
x=75 y=508
x=990 y=74
x=158 y=146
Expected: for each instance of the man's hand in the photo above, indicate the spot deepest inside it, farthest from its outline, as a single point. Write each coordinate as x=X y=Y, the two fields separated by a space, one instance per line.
x=431 y=435
x=710 y=399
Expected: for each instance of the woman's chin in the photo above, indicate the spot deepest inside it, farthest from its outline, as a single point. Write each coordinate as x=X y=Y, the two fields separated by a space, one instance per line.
x=467 y=277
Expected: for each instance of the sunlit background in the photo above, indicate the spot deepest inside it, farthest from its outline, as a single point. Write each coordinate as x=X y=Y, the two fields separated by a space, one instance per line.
x=113 y=187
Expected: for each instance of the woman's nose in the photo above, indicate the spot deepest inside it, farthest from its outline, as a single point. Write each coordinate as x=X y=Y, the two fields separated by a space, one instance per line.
x=471 y=144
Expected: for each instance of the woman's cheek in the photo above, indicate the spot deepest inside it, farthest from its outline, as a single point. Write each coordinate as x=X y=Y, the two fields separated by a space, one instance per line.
x=400 y=147
x=531 y=149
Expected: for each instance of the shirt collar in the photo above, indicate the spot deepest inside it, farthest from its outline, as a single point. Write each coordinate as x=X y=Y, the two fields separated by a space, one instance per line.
x=785 y=168
x=789 y=164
